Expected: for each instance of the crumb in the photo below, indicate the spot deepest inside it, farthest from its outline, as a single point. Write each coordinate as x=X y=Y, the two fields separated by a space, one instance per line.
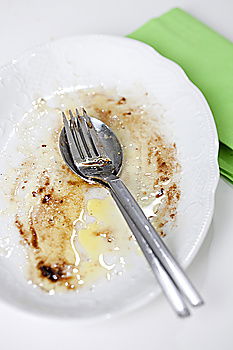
x=46 y=198
x=121 y=101
x=160 y=193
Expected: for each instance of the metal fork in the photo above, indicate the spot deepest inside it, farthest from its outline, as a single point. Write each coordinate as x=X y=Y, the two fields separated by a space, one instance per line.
x=93 y=163
x=167 y=285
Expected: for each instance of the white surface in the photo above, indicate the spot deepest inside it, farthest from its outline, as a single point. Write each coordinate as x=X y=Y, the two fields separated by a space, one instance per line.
x=188 y=122
x=24 y=24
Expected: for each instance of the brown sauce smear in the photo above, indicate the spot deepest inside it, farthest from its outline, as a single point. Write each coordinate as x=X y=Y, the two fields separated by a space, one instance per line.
x=58 y=196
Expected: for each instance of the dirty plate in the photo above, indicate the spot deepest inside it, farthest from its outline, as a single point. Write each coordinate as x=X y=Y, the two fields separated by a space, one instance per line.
x=124 y=65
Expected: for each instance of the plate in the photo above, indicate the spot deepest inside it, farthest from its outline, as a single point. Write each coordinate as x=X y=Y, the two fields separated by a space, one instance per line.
x=89 y=61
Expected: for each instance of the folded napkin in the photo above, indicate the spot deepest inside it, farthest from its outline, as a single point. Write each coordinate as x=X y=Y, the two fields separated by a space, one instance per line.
x=207 y=59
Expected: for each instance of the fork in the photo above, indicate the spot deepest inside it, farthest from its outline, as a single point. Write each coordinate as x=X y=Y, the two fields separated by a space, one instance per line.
x=92 y=161
x=167 y=285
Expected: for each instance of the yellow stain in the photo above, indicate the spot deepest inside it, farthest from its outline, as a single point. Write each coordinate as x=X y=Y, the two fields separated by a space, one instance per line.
x=105 y=238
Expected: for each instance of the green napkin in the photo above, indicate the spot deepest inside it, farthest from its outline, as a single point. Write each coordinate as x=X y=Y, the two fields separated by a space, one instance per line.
x=207 y=59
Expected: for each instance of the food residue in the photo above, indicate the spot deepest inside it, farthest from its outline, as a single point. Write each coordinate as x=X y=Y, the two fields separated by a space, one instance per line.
x=73 y=232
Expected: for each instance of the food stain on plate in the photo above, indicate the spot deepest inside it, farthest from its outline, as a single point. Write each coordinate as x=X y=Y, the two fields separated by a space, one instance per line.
x=73 y=232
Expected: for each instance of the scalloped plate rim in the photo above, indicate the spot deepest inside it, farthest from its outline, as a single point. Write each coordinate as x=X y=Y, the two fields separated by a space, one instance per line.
x=213 y=156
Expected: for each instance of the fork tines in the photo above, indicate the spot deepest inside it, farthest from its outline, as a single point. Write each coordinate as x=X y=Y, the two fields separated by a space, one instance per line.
x=82 y=137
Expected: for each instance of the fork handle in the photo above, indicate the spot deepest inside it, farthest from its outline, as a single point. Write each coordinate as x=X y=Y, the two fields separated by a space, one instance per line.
x=153 y=239
x=168 y=287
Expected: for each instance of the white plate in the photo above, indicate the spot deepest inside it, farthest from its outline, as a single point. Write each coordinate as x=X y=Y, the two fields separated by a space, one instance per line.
x=124 y=64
